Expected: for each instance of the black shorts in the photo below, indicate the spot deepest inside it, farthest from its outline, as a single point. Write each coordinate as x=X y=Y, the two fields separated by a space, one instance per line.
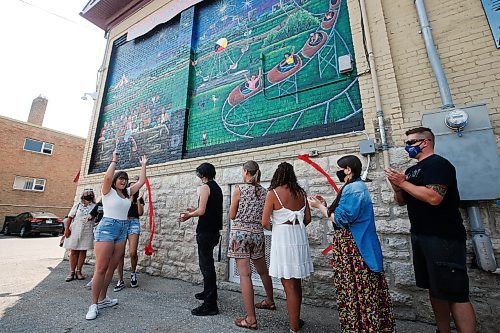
x=440 y=266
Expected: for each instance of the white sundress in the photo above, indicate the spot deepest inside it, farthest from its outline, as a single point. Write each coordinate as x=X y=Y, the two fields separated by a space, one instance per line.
x=290 y=254
x=82 y=235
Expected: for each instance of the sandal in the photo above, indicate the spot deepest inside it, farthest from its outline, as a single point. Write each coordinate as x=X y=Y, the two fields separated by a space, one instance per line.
x=264 y=304
x=79 y=275
x=242 y=322
x=70 y=276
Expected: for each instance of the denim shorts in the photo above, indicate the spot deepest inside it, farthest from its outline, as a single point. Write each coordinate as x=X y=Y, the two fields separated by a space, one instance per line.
x=111 y=230
x=134 y=227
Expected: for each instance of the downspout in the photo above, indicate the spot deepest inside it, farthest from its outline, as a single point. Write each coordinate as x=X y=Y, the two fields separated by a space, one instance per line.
x=376 y=89
x=483 y=248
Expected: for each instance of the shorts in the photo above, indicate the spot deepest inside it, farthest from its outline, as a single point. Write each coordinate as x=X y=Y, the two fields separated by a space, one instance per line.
x=134 y=227
x=246 y=241
x=440 y=266
x=111 y=230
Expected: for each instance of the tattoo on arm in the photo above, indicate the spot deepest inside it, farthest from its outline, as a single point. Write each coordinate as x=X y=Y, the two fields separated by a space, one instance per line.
x=439 y=189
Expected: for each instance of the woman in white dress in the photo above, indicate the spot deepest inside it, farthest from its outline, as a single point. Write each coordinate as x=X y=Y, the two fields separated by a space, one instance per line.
x=286 y=207
x=78 y=234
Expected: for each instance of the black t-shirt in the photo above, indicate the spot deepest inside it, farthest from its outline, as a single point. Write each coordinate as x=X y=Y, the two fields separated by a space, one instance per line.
x=443 y=220
x=133 y=211
x=211 y=221
x=97 y=212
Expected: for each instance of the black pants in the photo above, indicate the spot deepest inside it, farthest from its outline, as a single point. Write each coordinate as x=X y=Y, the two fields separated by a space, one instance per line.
x=206 y=243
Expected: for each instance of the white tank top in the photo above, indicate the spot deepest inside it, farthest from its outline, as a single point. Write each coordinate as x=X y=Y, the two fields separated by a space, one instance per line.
x=284 y=214
x=114 y=206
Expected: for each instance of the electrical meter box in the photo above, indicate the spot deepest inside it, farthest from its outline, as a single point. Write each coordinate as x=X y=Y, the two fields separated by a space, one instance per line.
x=464 y=136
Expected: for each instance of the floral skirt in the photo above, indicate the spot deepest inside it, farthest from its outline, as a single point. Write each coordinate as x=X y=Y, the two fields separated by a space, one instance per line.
x=363 y=298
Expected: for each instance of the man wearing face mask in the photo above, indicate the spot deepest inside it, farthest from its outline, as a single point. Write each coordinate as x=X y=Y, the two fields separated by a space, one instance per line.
x=430 y=191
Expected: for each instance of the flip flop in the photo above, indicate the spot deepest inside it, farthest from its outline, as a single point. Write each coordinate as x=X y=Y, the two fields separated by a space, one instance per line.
x=242 y=322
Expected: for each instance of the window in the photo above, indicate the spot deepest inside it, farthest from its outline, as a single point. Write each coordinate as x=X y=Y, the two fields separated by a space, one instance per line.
x=30 y=184
x=38 y=146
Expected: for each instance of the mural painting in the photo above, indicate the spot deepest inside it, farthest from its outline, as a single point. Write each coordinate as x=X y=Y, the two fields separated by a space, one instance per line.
x=141 y=112
x=266 y=72
x=228 y=75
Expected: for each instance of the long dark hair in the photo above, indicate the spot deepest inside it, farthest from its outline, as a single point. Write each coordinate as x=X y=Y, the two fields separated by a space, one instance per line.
x=252 y=168
x=354 y=163
x=206 y=170
x=115 y=177
x=284 y=175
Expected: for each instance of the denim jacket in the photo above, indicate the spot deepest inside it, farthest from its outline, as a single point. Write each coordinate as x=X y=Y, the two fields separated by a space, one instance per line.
x=355 y=211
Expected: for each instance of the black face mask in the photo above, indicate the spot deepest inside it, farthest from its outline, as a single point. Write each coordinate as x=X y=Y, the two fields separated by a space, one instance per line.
x=88 y=197
x=341 y=175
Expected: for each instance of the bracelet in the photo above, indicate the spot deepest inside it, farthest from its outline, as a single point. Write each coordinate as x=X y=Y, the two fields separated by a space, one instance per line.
x=113 y=161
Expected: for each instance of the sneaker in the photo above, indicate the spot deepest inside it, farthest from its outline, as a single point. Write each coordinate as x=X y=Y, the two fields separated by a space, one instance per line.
x=119 y=285
x=133 y=280
x=200 y=296
x=107 y=303
x=205 y=310
x=92 y=313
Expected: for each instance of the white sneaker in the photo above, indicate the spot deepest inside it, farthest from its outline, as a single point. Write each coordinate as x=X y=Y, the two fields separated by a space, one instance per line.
x=92 y=313
x=107 y=303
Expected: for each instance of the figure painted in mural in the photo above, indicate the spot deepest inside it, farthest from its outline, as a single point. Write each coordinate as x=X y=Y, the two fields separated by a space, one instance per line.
x=314 y=38
x=78 y=234
x=246 y=242
x=363 y=300
x=286 y=212
x=209 y=213
x=253 y=81
x=134 y=230
x=430 y=191
x=288 y=62
x=111 y=232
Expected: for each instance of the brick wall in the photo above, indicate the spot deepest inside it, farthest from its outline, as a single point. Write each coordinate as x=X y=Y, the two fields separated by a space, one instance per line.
x=59 y=169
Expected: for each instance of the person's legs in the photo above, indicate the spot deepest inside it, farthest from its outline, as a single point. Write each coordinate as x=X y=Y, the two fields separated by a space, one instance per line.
x=293 y=301
x=206 y=244
x=261 y=267
x=82 y=254
x=103 y=252
x=464 y=317
x=133 y=243
x=119 y=268
x=116 y=255
x=246 y=288
x=441 y=311
x=73 y=260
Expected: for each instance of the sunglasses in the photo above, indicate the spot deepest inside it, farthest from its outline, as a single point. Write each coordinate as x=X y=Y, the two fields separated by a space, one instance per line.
x=88 y=190
x=413 y=141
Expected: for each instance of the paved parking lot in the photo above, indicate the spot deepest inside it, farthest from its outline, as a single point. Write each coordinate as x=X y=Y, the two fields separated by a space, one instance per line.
x=34 y=297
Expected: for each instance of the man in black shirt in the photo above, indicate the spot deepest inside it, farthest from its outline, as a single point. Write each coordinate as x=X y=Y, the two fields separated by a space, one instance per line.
x=209 y=213
x=429 y=189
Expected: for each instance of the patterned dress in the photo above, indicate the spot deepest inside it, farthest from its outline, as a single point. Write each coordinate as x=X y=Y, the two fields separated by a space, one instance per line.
x=246 y=238
x=363 y=298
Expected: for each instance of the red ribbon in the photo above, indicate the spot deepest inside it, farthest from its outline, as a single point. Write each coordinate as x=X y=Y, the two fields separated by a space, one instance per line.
x=148 y=249
x=306 y=159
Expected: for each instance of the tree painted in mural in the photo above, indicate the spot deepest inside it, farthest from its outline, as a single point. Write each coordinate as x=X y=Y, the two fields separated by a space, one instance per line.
x=267 y=72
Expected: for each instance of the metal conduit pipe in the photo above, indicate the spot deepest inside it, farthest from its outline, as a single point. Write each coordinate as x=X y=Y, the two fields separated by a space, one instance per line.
x=483 y=248
x=376 y=89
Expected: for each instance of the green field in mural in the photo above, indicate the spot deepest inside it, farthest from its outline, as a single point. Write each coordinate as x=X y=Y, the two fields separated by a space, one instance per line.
x=266 y=67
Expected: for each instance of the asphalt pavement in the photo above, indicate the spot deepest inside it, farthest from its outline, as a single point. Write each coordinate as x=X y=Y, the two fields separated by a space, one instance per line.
x=35 y=298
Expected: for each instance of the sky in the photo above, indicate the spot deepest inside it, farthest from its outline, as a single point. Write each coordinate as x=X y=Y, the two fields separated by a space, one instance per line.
x=48 y=49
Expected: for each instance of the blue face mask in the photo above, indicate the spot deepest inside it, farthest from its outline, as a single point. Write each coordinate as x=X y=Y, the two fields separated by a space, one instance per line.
x=413 y=151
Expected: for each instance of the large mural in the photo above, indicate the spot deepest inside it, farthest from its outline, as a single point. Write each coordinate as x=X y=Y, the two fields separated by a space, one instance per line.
x=229 y=75
x=267 y=72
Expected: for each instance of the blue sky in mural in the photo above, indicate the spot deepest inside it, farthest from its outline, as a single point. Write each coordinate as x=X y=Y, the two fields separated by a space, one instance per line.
x=136 y=57
x=228 y=14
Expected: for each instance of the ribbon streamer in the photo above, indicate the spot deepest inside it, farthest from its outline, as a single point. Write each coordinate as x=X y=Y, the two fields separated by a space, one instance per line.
x=306 y=159
x=148 y=249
